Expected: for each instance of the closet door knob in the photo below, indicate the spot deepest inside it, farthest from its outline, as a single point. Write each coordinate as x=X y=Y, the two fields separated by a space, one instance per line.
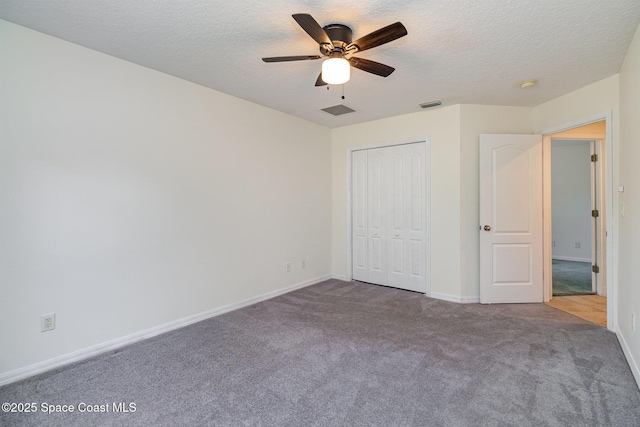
x=487 y=228
x=397 y=235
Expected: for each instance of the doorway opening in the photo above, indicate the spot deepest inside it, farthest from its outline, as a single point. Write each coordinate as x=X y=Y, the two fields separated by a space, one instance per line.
x=576 y=215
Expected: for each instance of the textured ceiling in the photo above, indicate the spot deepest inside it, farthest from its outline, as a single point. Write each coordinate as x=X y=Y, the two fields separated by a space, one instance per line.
x=459 y=51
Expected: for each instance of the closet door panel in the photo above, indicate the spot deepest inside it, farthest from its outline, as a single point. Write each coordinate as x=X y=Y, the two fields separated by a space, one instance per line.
x=359 y=227
x=414 y=220
x=377 y=160
x=397 y=263
x=389 y=214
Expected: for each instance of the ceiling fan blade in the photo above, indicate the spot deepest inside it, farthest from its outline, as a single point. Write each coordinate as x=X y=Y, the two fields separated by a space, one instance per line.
x=320 y=82
x=371 y=66
x=290 y=58
x=379 y=37
x=312 y=28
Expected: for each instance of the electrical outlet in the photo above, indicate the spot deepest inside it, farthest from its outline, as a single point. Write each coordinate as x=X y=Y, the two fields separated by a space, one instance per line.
x=553 y=243
x=577 y=245
x=288 y=267
x=304 y=264
x=47 y=322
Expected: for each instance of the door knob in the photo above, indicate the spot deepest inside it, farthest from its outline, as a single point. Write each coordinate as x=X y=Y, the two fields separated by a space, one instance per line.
x=487 y=228
x=397 y=235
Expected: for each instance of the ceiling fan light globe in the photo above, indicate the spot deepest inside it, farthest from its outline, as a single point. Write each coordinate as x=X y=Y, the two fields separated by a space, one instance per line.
x=336 y=71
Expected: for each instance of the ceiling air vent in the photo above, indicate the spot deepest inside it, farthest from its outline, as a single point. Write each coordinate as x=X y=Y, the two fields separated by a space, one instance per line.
x=431 y=104
x=338 y=110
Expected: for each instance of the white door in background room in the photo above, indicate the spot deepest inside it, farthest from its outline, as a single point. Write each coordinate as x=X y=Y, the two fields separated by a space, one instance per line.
x=389 y=216
x=511 y=262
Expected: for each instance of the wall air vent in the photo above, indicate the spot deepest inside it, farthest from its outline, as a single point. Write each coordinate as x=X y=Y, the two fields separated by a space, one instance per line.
x=338 y=110
x=431 y=104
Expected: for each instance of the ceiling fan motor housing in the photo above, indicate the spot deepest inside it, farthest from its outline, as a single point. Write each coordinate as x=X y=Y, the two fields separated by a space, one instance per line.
x=340 y=35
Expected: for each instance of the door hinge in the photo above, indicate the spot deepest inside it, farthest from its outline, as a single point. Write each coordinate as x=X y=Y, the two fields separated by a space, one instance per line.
x=595 y=213
x=594 y=157
x=595 y=268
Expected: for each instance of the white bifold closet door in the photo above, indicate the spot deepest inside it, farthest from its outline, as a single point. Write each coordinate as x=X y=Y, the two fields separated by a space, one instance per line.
x=388 y=221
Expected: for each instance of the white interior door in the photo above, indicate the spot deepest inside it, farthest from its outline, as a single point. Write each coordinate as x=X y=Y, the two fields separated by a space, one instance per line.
x=406 y=218
x=511 y=263
x=389 y=216
x=377 y=205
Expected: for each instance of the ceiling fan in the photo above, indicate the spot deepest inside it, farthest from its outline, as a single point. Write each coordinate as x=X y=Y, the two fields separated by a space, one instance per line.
x=335 y=42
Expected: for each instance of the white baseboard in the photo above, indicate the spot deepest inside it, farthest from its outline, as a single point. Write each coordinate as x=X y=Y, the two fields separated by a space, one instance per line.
x=568 y=258
x=630 y=360
x=455 y=298
x=85 y=353
x=340 y=277
x=470 y=300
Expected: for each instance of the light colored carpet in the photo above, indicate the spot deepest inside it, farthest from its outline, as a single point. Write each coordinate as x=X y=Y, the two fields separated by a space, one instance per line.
x=352 y=354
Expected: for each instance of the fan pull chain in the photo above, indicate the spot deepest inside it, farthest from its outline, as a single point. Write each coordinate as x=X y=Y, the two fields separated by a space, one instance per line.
x=328 y=87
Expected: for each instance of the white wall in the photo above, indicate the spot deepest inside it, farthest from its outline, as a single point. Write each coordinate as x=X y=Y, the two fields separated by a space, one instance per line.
x=629 y=253
x=589 y=100
x=475 y=120
x=442 y=126
x=571 y=200
x=130 y=199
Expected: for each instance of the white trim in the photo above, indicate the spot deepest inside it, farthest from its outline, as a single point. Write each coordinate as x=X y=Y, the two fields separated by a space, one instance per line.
x=568 y=258
x=455 y=298
x=427 y=218
x=425 y=140
x=340 y=277
x=547 y=238
x=633 y=364
x=95 y=350
x=611 y=210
